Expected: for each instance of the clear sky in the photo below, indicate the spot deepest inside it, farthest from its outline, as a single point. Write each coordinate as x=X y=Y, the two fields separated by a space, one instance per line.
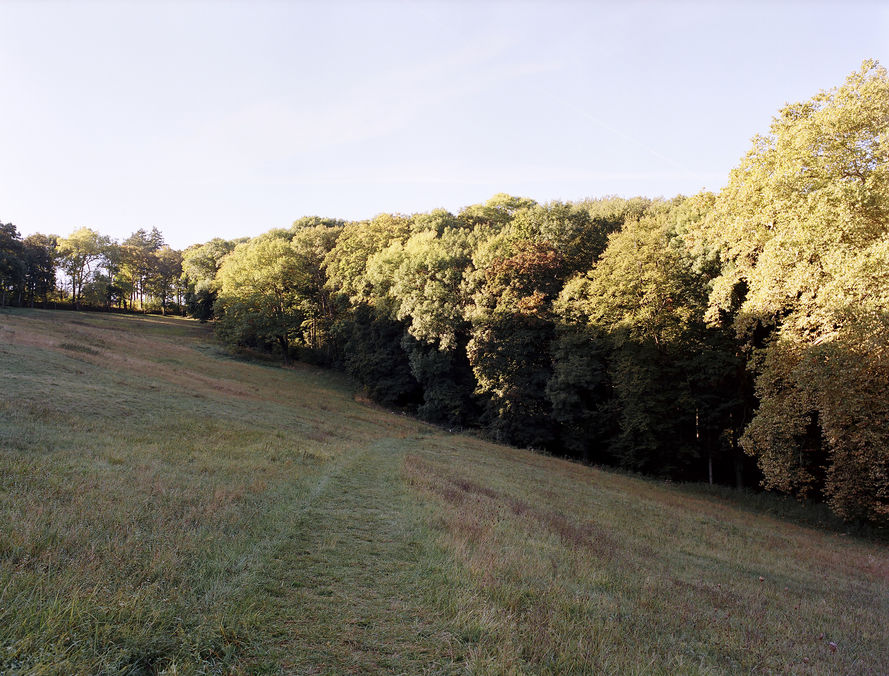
x=227 y=119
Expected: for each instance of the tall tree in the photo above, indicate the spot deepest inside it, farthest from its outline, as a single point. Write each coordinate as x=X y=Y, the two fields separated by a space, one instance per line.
x=803 y=228
x=312 y=241
x=514 y=283
x=424 y=281
x=667 y=369
x=364 y=322
x=580 y=392
x=12 y=262
x=346 y=263
x=40 y=275
x=373 y=355
x=570 y=230
x=496 y=212
x=141 y=248
x=258 y=301
x=200 y=264
x=80 y=255
x=166 y=268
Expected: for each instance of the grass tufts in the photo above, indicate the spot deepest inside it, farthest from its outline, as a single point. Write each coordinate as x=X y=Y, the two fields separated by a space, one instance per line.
x=77 y=347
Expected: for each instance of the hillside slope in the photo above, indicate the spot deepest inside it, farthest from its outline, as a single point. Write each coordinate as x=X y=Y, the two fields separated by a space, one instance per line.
x=165 y=508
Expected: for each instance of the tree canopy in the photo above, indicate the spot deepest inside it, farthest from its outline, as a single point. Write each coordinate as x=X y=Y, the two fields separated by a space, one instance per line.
x=731 y=337
x=803 y=231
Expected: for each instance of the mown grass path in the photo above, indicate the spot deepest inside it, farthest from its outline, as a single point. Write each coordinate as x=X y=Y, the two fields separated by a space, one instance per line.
x=356 y=576
x=164 y=508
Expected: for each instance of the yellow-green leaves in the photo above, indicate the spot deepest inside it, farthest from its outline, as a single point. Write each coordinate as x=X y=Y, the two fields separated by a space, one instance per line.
x=803 y=228
x=643 y=286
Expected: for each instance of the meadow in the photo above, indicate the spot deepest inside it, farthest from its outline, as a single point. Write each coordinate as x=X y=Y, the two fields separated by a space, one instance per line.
x=166 y=507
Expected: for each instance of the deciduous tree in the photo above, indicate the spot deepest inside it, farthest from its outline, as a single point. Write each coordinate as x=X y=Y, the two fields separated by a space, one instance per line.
x=803 y=228
x=257 y=301
x=12 y=263
x=80 y=254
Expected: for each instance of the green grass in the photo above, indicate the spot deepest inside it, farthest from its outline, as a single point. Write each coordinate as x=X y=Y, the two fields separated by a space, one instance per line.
x=167 y=509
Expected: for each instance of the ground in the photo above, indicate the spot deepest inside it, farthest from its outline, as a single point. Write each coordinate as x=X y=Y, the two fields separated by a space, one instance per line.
x=165 y=507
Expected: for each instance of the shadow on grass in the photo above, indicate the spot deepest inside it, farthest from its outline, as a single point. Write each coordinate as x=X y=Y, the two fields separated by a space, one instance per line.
x=788 y=509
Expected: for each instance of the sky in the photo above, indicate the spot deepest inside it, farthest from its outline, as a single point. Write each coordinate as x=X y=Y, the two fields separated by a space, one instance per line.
x=227 y=119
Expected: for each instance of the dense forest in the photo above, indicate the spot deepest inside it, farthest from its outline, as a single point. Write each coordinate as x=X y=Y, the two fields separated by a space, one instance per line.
x=739 y=337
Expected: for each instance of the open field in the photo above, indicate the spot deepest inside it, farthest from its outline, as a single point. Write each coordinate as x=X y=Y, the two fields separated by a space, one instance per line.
x=166 y=508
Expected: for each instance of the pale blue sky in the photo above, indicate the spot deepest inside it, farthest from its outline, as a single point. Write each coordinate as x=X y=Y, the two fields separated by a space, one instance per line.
x=230 y=118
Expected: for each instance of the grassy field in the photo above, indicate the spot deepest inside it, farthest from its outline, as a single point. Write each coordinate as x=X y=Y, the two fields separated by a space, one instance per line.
x=165 y=508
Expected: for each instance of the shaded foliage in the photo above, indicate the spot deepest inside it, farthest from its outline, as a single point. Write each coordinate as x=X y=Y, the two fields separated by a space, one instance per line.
x=375 y=358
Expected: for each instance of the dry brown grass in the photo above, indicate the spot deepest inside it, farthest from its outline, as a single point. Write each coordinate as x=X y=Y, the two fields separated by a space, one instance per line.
x=576 y=570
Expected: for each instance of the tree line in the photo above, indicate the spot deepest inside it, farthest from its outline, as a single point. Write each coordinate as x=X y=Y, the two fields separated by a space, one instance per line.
x=89 y=270
x=739 y=337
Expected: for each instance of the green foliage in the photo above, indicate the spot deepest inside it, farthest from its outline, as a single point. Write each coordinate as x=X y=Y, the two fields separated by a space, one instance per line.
x=138 y=259
x=446 y=380
x=200 y=264
x=346 y=263
x=258 y=304
x=496 y=212
x=643 y=288
x=612 y=212
x=821 y=426
x=314 y=222
x=674 y=381
x=437 y=221
x=12 y=264
x=167 y=270
x=657 y=412
x=509 y=354
x=803 y=228
x=272 y=289
x=569 y=229
x=311 y=244
x=424 y=276
x=40 y=272
x=514 y=283
x=80 y=254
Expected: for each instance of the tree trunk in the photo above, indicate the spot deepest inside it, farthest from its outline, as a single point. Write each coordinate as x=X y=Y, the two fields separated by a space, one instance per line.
x=739 y=469
x=710 y=466
x=282 y=341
